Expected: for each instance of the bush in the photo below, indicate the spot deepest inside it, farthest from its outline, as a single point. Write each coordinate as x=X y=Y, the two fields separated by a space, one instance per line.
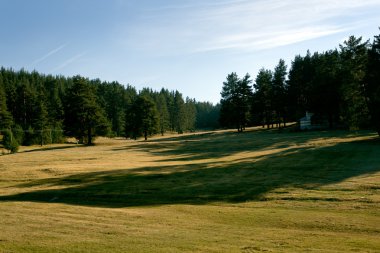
x=9 y=142
x=57 y=134
x=18 y=133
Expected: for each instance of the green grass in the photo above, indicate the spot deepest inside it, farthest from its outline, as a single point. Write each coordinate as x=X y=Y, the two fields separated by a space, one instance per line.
x=259 y=191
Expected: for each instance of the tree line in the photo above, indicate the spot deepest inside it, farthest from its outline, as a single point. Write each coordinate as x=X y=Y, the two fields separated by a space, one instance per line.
x=42 y=109
x=341 y=87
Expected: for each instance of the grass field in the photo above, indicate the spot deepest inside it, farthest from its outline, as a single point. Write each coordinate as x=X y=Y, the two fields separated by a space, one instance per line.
x=258 y=191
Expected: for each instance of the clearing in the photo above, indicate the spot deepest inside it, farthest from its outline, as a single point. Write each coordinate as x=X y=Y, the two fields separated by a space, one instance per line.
x=258 y=191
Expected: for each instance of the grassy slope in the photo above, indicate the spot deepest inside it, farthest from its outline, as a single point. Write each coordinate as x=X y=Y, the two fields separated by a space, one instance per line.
x=251 y=192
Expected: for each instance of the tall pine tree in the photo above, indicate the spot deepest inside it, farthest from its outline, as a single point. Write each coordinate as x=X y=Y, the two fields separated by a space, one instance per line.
x=235 y=101
x=5 y=116
x=354 y=62
x=372 y=84
x=84 y=118
x=142 y=119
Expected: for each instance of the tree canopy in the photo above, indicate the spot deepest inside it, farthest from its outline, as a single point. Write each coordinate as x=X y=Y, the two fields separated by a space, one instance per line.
x=341 y=87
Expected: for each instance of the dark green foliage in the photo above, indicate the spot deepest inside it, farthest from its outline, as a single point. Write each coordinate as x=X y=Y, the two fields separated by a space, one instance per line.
x=5 y=116
x=236 y=94
x=279 y=92
x=354 y=59
x=142 y=118
x=325 y=94
x=207 y=116
x=9 y=142
x=114 y=98
x=262 y=106
x=314 y=85
x=25 y=101
x=300 y=78
x=163 y=113
x=41 y=120
x=372 y=83
x=190 y=114
x=18 y=133
x=179 y=113
x=40 y=106
x=84 y=118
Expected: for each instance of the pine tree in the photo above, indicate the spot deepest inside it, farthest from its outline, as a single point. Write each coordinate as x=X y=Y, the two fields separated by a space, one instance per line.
x=243 y=102
x=179 y=112
x=190 y=114
x=5 y=117
x=279 y=91
x=9 y=142
x=163 y=113
x=354 y=61
x=372 y=84
x=84 y=118
x=228 y=112
x=41 y=120
x=262 y=100
x=142 y=119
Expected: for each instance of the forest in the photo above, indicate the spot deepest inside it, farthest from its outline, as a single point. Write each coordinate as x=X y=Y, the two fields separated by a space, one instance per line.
x=341 y=87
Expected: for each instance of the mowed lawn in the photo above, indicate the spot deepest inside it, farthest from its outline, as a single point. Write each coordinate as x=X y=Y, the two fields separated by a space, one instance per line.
x=258 y=191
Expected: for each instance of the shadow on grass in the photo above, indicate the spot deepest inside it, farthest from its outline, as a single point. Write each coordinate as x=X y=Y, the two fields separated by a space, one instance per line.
x=239 y=181
x=216 y=145
x=52 y=148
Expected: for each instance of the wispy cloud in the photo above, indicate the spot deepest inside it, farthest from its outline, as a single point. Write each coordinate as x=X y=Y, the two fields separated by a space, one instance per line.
x=256 y=25
x=68 y=62
x=201 y=26
x=50 y=53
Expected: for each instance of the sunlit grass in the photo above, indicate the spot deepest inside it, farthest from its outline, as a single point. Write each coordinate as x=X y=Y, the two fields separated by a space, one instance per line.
x=211 y=192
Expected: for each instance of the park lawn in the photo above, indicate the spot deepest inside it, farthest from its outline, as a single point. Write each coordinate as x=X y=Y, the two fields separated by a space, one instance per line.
x=258 y=191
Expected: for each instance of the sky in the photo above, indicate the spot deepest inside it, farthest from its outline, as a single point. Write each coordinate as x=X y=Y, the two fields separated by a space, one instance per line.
x=185 y=45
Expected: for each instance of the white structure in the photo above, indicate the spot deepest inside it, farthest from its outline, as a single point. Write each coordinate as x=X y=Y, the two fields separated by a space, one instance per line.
x=305 y=122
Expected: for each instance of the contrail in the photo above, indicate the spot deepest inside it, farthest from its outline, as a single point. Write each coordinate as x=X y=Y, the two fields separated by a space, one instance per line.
x=69 y=61
x=49 y=54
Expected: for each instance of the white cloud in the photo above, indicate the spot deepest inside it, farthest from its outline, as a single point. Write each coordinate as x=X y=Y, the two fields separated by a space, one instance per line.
x=200 y=26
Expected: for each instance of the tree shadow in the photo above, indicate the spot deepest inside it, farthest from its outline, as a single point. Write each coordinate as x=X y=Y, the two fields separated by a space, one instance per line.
x=217 y=145
x=230 y=182
x=52 y=148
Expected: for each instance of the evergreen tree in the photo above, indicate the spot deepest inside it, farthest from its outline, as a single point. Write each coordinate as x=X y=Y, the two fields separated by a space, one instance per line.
x=163 y=113
x=190 y=114
x=243 y=102
x=179 y=112
x=279 y=92
x=84 y=119
x=207 y=115
x=143 y=118
x=236 y=95
x=9 y=142
x=300 y=78
x=26 y=98
x=41 y=120
x=354 y=61
x=325 y=96
x=5 y=117
x=372 y=84
x=262 y=105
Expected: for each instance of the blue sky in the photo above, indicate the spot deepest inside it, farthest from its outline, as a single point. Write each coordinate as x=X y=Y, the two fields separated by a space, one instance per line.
x=188 y=45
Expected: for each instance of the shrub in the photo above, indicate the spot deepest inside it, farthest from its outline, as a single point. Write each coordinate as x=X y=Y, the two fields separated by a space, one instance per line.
x=9 y=142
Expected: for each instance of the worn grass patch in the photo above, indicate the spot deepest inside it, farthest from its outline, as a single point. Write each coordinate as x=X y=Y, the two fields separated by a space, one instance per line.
x=259 y=191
